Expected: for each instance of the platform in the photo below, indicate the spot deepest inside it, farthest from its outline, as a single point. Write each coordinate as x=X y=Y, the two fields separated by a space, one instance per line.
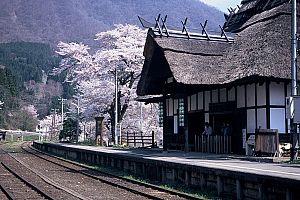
x=244 y=176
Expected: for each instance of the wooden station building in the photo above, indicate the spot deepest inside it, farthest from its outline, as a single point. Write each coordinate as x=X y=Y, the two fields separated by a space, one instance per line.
x=241 y=80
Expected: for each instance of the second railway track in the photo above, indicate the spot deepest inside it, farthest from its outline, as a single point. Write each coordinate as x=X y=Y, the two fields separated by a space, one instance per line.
x=90 y=183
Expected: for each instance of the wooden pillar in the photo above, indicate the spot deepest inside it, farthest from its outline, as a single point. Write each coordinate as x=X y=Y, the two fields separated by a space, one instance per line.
x=165 y=125
x=112 y=162
x=133 y=167
x=144 y=169
x=203 y=183
x=261 y=192
x=163 y=174
x=187 y=178
x=99 y=130
x=220 y=186
x=186 y=127
x=101 y=160
x=288 y=195
x=174 y=171
x=239 y=190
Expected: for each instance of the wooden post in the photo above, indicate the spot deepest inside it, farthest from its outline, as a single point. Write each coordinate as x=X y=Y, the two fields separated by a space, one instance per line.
x=127 y=139
x=187 y=178
x=288 y=195
x=261 y=192
x=219 y=185
x=229 y=138
x=202 y=142
x=163 y=174
x=142 y=139
x=203 y=183
x=134 y=139
x=239 y=191
x=99 y=130
x=153 y=145
x=196 y=147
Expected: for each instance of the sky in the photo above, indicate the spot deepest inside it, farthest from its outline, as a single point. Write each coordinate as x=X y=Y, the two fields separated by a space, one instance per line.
x=222 y=4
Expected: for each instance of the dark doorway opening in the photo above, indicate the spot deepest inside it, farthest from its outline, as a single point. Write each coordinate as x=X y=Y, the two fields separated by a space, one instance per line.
x=223 y=113
x=195 y=126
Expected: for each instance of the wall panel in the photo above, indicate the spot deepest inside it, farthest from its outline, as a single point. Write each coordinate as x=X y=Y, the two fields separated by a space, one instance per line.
x=251 y=123
x=240 y=96
x=261 y=94
x=207 y=100
x=194 y=102
x=215 y=96
x=231 y=94
x=200 y=101
x=277 y=119
x=277 y=96
x=262 y=118
x=223 y=95
x=175 y=124
x=250 y=95
x=171 y=111
x=175 y=106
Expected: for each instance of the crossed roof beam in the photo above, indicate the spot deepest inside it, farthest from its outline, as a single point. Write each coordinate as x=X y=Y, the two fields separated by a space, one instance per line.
x=160 y=29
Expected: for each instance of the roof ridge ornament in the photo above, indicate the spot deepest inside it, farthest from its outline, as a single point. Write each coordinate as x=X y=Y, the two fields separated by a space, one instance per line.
x=157 y=25
x=164 y=25
x=184 y=28
x=159 y=29
x=204 y=30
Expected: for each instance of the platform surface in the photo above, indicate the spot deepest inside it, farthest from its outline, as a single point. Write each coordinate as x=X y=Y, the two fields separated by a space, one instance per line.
x=241 y=164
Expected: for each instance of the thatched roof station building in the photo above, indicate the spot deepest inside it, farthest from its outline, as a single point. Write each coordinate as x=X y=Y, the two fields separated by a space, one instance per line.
x=242 y=83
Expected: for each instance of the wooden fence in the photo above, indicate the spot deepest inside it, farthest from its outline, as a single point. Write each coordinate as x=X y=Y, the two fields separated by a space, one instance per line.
x=138 y=139
x=213 y=144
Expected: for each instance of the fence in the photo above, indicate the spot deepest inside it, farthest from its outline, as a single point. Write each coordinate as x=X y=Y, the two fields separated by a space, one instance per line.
x=138 y=139
x=213 y=144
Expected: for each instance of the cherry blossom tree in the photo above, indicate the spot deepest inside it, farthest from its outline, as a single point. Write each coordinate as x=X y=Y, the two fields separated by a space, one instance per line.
x=94 y=74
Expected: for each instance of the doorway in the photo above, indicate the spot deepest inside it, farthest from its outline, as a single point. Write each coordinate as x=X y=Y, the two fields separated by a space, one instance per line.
x=195 y=125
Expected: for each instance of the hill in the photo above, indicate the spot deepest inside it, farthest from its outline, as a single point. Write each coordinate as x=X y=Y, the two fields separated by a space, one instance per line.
x=52 y=21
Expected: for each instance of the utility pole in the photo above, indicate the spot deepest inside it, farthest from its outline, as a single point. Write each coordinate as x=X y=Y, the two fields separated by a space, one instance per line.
x=294 y=92
x=62 y=112
x=77 y=129
x=116 y=105
x=53 y=124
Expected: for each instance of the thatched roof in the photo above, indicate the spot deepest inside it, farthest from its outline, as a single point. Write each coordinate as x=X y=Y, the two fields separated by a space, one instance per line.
x=261 y=48
x=248 y=9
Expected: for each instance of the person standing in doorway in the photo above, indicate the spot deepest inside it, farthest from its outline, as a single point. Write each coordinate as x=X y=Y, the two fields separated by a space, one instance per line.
x=207 y=129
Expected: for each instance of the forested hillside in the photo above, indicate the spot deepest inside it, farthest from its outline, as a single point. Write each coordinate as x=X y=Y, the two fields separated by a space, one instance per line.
x=27 y=61
x=52 y=21
x=25 y=88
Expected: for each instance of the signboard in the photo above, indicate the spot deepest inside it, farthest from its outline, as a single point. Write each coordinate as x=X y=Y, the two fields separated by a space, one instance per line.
x=118 y=132
x=181 y=112
x=292 y=105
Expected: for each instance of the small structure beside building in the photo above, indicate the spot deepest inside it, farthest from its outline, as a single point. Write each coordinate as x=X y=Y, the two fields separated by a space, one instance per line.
x=242 y=83
x=2 y=135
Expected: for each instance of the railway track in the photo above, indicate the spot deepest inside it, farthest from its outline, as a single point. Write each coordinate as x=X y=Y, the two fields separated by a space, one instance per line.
x=75 y=181
x=14 y=186
x=145 y=190
x=17 y=181
x=151 y=191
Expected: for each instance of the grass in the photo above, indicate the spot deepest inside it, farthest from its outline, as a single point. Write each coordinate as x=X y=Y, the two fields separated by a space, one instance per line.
x=18 y=137
x=294 y=162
